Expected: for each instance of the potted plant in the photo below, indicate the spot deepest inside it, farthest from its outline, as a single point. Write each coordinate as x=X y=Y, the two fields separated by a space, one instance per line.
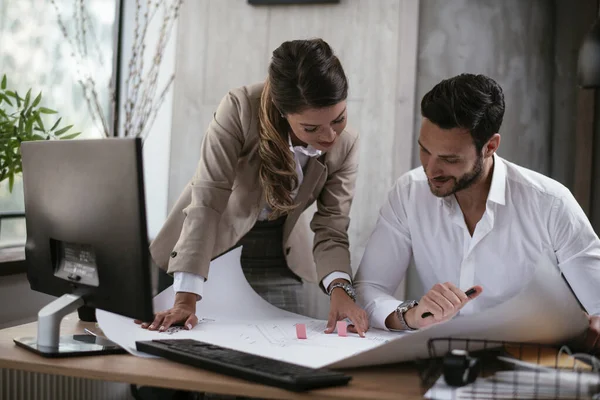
x=23 y=119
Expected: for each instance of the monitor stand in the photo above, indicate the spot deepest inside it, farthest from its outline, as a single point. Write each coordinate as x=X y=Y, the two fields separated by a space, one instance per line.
x=49 y=343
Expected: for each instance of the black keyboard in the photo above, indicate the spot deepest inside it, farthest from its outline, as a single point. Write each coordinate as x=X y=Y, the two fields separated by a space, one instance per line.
x=247 y=366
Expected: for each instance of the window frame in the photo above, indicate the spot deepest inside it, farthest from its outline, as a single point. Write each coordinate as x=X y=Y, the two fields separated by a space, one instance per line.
x=12 y=258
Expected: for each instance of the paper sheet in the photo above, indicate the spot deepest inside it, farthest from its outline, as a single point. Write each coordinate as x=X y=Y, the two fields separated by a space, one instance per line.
x=545 y=311
x=551 y=384
x=234 y=316
x=483 y=389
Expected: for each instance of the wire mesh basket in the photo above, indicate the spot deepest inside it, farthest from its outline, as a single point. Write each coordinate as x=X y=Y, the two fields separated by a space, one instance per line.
x=487 y=369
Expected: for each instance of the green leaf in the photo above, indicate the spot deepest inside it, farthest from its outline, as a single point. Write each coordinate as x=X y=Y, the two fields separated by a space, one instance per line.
x=3 y=86
x=18 y=99
x=29 y=126
x=45 y=110
x=63 y=130
x=37 y=100
x=27 y=99
x=5 y=98
x=55 y=124
x=11 y=94
x=11 y=181
x=38 y=119
x=71 y=136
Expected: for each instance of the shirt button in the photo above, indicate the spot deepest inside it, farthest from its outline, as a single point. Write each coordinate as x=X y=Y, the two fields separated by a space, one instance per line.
x=173 y=254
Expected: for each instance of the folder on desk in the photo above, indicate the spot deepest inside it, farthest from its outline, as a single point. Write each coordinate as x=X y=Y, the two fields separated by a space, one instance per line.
x=546 y=356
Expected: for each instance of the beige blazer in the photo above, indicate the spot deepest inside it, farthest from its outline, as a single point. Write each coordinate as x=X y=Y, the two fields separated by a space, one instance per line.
x=224 y=198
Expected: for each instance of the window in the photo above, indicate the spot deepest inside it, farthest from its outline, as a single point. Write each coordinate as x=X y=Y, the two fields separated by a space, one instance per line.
x=36 y=55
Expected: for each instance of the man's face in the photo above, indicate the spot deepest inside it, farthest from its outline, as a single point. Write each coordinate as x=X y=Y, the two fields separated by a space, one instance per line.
x=449 y=158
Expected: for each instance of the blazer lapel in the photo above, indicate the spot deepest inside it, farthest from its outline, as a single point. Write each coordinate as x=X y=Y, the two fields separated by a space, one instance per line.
x=314 y=170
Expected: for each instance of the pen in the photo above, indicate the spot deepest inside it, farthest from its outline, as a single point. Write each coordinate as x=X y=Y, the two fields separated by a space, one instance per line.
x=468 y=293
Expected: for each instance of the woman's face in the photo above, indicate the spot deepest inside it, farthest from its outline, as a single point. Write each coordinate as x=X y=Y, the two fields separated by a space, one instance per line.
x=318 y=127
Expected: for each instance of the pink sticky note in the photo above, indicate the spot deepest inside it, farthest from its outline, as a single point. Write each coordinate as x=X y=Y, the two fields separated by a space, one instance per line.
x=342 y=328
x=301 y=331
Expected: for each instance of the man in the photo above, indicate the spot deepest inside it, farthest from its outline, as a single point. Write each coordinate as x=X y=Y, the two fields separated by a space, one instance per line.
x=472 y=220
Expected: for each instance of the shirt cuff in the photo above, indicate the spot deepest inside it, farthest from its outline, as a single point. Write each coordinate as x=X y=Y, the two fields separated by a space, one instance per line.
x=188 y=282
x=333 y=276
x=382 y=310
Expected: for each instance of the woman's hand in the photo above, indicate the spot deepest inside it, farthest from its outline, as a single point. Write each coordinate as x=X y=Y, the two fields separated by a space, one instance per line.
x=182 y=313
x=342 y=307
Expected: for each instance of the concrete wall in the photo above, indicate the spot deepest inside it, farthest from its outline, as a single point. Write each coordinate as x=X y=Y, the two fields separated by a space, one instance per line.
x=512 y=42
x=223 y=44
x=530 y=48
x=571 y=25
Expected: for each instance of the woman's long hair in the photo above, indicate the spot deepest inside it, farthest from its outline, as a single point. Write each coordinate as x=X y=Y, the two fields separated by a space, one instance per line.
x=303 y=74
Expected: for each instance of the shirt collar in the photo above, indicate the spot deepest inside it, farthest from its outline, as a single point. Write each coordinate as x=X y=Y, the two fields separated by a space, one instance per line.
x=308 y=150
x=497 y=193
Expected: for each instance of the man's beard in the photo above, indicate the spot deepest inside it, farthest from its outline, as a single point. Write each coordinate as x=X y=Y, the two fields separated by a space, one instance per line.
x=461 y=183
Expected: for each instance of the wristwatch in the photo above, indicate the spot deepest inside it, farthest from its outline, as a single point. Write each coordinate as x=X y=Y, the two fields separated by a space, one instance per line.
x=402 y=309
x=348 y=288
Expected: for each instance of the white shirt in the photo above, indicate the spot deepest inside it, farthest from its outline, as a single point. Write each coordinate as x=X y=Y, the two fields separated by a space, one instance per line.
x=527 y=215
x=192 y=283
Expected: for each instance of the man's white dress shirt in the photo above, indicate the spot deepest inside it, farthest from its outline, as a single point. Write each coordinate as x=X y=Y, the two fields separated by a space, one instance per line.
x=192 y=283
x=527 y=216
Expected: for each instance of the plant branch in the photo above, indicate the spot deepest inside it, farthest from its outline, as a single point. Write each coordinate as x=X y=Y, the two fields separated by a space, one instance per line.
x=141 y=103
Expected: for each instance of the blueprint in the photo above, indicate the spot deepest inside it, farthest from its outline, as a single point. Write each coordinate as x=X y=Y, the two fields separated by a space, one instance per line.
x=232 y=315
x=242 y=320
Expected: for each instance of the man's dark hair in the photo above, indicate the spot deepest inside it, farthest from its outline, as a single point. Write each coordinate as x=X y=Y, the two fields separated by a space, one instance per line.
x=472 y=102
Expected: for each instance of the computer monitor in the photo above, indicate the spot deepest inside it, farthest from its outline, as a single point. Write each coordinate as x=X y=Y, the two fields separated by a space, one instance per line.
x=87 y=240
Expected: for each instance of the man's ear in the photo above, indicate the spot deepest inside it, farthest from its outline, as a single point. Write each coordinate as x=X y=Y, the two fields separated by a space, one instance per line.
x=492 y=145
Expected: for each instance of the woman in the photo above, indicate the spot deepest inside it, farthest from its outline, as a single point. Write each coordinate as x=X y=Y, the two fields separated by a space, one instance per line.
x=271 y=150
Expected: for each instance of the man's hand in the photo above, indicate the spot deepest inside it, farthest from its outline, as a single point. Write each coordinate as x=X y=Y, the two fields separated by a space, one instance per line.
x=342 y=307
x=592 y=339
x=443 y=301
x=183 y=312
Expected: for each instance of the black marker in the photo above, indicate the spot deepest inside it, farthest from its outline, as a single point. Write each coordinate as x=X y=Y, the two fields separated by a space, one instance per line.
x=468 y=293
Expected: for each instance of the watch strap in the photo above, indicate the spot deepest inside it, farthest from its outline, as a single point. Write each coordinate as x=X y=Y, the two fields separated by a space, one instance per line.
x=402 y=309
x=344 y=285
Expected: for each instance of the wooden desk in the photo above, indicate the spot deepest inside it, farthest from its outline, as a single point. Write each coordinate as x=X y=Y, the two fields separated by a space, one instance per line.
x=388 y=382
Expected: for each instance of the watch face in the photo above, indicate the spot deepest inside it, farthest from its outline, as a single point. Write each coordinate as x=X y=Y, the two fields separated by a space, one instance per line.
x=407 y=305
